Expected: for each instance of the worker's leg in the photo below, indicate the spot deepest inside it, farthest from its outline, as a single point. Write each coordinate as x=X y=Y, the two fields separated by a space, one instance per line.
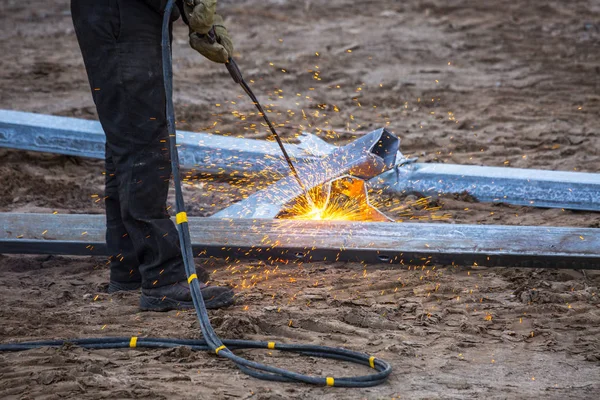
x=120 y=42
x=124 y=264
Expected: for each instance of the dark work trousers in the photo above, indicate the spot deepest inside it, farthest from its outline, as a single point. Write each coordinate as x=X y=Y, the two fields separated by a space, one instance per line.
x=121 y=45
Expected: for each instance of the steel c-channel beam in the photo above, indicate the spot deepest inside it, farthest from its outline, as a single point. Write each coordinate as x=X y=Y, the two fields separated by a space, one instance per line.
x=204 y=152
x=216 y=154
x=527 y=187
x=364 y=158
x=375 y=242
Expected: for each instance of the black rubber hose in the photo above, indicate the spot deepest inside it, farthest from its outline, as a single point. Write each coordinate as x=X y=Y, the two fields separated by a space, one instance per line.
x=201 y=345
x=211 y=340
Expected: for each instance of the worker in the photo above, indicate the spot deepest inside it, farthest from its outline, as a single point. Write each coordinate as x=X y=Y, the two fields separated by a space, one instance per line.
x=120 y=41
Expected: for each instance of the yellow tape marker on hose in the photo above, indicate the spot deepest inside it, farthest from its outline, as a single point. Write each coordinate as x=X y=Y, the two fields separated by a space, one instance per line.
x=372 y=362
x=218 y=349
x=192 y=277
x=271 y=345
x=181 y=217
x=133 y=341
x=330 y=381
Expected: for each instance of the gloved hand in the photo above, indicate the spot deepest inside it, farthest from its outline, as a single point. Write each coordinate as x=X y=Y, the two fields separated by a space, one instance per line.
x=200 y=14
x=219 y=51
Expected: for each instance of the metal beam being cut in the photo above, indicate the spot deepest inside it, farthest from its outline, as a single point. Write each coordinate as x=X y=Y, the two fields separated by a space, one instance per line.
x=392 y=243
x=216 y=154
x=528 y=187
x=363 y=158
x=207 y=153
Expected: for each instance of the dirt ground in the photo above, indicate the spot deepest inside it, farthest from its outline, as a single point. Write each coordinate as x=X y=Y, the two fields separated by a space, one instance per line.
x=503 y=83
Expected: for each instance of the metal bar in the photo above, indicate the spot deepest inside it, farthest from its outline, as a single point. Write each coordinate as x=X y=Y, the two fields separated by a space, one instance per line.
x=528 y=187
x=216 y=154
x=54 y=247
x=363 y=158
x=205 y=152
x=391 y=243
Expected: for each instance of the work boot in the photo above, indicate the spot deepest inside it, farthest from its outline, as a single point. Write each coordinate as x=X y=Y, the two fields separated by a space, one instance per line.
x=179 y=297
x=114 y=286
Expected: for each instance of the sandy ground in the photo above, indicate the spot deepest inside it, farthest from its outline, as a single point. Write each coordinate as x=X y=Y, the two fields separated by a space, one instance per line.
x=504 y=83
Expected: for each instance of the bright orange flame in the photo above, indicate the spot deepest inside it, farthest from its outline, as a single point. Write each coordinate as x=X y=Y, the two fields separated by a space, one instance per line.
x=322 y=208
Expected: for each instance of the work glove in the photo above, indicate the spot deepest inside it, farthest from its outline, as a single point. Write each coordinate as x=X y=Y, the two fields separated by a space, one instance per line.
x=221 y=49
x=200 y=14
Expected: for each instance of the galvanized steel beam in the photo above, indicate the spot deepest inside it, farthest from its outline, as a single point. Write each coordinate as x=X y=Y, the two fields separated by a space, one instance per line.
x=204 y=152
x=391 y=243
x=218 y=154
x=528 y=187
x=363 y=158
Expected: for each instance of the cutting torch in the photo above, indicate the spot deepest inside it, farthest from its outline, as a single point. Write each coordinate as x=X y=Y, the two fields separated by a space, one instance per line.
x=236 y=74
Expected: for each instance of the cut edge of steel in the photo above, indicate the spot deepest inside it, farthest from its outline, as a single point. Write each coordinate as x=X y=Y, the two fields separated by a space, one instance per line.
x=204 y=152
x=526 y=187
x=371 y=242
x=364 y=158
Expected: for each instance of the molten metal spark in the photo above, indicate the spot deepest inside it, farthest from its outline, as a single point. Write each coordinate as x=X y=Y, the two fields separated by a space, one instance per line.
x=344 y=199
